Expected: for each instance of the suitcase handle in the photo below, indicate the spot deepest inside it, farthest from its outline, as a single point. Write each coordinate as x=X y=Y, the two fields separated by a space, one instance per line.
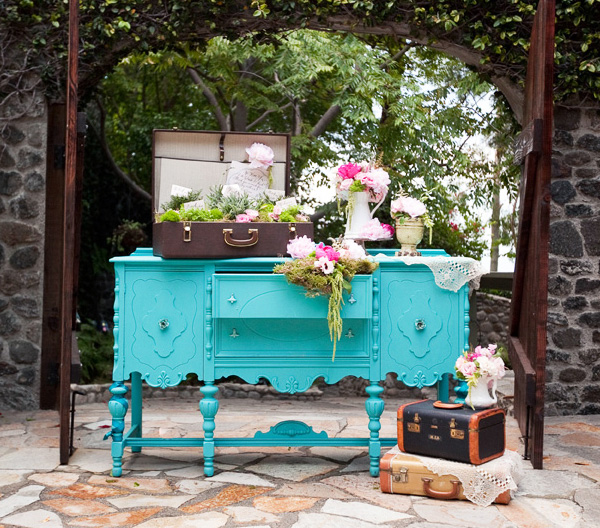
x=236 y=242
x=452 y=494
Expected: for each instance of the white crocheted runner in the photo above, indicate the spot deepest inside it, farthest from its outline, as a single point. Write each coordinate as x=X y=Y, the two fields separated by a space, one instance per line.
x=450 y=273
x=481 y=484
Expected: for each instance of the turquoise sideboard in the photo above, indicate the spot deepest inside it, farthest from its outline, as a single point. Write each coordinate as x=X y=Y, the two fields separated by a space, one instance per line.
x=218 y=318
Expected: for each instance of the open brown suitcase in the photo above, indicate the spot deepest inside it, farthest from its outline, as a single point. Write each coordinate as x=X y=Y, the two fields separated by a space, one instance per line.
x=461 y=434
x=199 y=160
x=407 y=475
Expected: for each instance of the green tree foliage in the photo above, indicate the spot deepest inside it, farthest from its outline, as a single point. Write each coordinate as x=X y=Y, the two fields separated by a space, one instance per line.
x=410 y=107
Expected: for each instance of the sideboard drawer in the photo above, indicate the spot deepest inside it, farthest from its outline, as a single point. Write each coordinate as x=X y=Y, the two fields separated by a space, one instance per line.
x=266 y=296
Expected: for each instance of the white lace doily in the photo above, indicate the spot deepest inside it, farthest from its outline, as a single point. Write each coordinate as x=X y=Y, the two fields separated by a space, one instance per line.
x=481 y=484
x=450 y=273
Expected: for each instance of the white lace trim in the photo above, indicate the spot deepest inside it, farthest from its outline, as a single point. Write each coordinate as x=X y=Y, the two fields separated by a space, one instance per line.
x=450 y=273
x=481 y=484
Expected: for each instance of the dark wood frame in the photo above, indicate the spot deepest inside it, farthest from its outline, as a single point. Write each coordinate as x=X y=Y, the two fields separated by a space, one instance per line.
x=529 y=305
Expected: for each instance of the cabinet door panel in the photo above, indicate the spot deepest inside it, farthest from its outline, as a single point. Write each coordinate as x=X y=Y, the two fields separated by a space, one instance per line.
x=164 y=332
x=420 y=328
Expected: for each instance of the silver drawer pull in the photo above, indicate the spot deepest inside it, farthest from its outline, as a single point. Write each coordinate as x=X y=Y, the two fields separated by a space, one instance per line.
x=351 y=300
x=232 y=299
x=420 y=324
x=163 y=324
x=234 y=334
x=349 y=334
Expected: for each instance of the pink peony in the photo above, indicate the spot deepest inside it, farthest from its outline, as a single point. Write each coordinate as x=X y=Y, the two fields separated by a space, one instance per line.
x=326 y=251
x=348 y=171
x=345 y=184
x=325 y=265
x=411 y=206
x=352 y=250
x=252 y=213
x=243 y=218
x=260 y=156
x=377 y=181
x=300 y=247
x=374 y=230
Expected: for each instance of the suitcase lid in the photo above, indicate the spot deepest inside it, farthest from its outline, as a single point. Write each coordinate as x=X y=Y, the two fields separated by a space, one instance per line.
x=464 y=418
x=200 y=159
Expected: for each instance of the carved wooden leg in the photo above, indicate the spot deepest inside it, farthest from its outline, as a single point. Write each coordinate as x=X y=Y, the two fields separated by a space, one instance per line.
x=374 y=406
x=136 y=409
x=209 y=406
x=117 y=406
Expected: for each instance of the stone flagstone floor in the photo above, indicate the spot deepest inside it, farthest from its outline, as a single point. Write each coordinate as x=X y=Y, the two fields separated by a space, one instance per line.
x=267 y=487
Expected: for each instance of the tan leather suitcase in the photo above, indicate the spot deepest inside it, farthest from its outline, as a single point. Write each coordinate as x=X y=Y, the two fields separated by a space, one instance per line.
x=407 y=475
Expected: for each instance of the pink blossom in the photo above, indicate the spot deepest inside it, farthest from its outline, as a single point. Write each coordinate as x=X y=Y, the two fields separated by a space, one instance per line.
x=466 y=368
x=276 y=212
x=243 y=218
x=325 y=265
x=411 y=206
x=390 y=230
x=377 y=181
x=352 y=250
x=260 y=156
x=300 y=247
x=345 y=184
x=374 y=230
x=326 y=251
x=348 y=171
x=252 y=213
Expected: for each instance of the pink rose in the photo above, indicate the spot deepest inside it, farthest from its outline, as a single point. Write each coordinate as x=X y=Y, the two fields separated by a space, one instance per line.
x=348 y=171
x=467 y=369
x=389 y=229
x=260 y=156
x=411 y=206
x=300 y=247
x=252 y=213
x=326 y=251
x=243 y=218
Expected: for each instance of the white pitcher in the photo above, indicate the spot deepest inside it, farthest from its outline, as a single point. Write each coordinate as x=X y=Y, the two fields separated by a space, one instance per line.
x=359 y=214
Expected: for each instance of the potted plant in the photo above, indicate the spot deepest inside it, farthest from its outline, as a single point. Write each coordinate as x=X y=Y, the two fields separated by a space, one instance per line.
x=410 y=215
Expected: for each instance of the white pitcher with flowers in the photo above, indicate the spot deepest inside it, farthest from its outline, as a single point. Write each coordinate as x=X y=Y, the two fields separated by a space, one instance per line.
x=481 y=369
x=361 y=184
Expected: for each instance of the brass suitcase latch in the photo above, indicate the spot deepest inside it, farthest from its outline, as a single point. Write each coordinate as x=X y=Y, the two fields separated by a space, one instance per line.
x=459 y=434
x=187 y=231
x=401 y=476
x=414 y=427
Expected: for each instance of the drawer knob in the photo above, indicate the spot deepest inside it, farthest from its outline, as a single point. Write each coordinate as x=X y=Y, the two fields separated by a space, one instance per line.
x=420 y=324
x=232 y=299
x=163 y=324
x=350 y=333
x=351 y=300
x=234 y=334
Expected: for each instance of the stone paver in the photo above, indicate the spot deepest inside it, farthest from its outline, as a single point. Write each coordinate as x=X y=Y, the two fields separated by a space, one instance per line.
x=268 y=487
x=24 y=497
x=35 y=519
x=362 y=511
x=296 y=468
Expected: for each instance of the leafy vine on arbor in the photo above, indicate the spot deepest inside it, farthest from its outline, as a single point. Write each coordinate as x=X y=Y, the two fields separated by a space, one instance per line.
x=33 y=34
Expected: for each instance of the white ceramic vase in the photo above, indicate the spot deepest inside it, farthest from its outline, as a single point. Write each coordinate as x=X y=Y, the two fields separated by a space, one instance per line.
x=409 y=233
x=479 y=395
x=359 y=214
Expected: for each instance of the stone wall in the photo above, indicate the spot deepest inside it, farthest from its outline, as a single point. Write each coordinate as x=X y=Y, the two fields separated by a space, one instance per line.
x=23 y=134
x=492 y=320
x=573 y=356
